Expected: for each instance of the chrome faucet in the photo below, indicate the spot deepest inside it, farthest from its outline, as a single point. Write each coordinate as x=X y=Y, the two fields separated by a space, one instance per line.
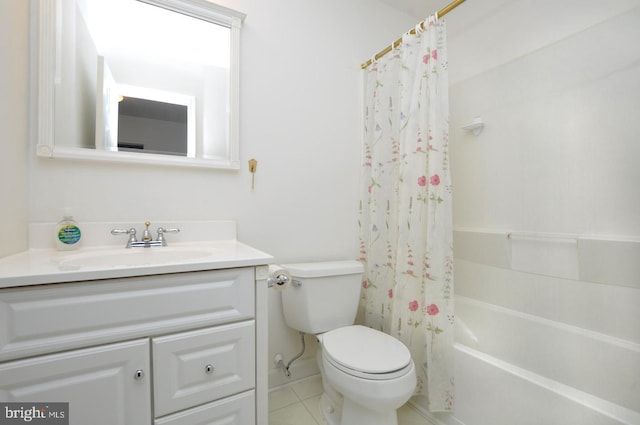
x=146 y=241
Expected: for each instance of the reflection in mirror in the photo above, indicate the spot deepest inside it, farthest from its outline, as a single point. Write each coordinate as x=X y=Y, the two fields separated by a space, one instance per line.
x=136 y=119
x=150 y=126
x=180 y=52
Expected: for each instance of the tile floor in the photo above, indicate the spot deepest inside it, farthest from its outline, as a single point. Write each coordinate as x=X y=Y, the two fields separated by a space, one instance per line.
x=298 y=404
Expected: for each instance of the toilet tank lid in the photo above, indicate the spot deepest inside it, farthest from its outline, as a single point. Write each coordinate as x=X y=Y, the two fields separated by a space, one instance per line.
x=324 y=268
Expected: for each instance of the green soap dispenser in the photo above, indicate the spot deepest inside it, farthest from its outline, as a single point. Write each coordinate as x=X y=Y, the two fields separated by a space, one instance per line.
x=68 y=233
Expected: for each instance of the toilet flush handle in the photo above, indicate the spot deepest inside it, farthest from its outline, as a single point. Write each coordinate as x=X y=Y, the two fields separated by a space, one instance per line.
x=279 y=280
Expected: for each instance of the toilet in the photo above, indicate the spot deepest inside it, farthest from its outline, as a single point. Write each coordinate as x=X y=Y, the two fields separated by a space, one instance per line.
x=366 y=374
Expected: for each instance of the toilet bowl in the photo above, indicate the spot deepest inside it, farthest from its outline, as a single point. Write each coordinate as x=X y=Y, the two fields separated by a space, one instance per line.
x=367 y=375
x=372 y=371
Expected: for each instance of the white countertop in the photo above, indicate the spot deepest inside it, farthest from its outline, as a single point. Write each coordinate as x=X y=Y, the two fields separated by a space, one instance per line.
x=44 y=266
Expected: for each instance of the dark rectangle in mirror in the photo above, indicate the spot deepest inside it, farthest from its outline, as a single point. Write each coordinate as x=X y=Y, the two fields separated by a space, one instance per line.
x=152 y=127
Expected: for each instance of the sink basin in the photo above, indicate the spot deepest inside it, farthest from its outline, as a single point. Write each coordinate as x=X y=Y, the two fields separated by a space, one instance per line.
x=133 y=257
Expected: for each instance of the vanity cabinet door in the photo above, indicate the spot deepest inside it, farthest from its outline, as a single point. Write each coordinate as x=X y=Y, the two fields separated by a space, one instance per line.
x=104 y=385
x=196 y=367
x=236 y=410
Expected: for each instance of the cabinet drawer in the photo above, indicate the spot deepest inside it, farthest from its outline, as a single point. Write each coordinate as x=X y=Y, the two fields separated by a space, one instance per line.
x=50 y=318
x=101 y=384
x=197 y=367
x=235 y=410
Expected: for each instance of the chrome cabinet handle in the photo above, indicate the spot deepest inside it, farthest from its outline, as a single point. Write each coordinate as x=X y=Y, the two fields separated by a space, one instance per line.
x=138 y=375
x=208 y=368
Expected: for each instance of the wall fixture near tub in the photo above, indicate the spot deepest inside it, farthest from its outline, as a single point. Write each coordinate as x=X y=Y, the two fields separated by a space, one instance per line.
x=159 y=51
x=475 y=126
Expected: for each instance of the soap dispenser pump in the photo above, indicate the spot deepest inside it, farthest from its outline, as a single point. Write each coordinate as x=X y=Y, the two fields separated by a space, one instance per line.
x=68 y=233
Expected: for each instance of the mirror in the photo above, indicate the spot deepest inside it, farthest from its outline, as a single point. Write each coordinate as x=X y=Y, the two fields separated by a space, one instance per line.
x=143 y=81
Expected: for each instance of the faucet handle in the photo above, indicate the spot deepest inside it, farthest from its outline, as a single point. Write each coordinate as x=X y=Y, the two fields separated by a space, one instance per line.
x=131 y=232
x=162 y=231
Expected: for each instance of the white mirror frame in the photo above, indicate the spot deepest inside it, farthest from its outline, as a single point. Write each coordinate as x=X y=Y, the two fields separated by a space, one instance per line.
x=48 y=54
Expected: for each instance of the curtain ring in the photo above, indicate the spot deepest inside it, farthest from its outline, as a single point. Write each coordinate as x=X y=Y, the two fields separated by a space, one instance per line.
x=418 y=29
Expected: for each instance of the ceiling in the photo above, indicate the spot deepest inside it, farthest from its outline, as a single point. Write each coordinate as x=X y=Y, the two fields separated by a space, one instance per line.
x=418 y=8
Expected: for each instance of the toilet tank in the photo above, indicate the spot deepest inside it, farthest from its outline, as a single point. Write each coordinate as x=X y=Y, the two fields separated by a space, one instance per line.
x=322 y=296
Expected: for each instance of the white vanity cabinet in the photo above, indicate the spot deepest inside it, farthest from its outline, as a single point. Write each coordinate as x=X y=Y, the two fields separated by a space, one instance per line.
x=179 y=348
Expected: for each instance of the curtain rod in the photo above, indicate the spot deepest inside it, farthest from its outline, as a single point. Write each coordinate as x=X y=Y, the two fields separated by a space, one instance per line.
x=448 y=8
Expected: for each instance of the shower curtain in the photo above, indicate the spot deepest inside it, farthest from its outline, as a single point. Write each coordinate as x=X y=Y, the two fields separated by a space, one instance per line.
x=405 y=219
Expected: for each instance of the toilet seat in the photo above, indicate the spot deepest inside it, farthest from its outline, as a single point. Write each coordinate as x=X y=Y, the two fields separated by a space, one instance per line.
x=366 y=353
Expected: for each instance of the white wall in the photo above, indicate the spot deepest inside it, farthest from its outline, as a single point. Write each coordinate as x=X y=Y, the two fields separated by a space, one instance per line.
x=548 y=329
x=14 y=112
x=300 y=104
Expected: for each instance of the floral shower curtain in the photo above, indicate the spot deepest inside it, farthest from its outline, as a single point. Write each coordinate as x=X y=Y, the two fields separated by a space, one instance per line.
x=405 y=209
